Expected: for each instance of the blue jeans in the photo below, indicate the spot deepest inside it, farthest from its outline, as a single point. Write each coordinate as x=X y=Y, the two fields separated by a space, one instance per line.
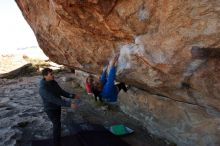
x=54 y=116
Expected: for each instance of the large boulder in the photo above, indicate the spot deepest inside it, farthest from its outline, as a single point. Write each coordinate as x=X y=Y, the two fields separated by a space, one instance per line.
x=169 y=49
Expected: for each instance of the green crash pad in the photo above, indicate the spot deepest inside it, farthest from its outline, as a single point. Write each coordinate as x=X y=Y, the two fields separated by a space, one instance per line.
x=120 y=129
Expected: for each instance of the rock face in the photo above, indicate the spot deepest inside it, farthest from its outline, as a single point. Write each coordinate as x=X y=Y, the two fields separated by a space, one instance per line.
x=169 y=49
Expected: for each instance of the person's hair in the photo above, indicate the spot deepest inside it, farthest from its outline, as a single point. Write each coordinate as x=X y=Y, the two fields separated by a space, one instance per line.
x=90 y=79
x=45 y=71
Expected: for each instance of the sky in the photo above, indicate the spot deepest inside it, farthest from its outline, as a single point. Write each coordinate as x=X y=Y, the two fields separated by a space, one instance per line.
x=14 y=30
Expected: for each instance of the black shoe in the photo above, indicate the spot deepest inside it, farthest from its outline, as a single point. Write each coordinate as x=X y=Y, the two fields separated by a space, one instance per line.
x=122 y=86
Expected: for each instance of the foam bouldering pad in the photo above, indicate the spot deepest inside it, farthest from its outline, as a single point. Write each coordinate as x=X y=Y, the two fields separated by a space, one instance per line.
x=85 y=138
x=120 y=130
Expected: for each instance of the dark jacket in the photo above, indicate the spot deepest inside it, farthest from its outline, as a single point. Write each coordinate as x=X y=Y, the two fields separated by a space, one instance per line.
x=109 y=92
x=51 y=94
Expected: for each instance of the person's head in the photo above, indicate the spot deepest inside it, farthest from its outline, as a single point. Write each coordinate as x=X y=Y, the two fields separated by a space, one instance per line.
x=90 y=79
x=48 y=74
x=94 y=83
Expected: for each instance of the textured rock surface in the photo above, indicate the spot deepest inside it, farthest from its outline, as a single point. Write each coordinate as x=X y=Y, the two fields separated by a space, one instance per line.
x=17 y=116
x=155 y=40
x=186 y=124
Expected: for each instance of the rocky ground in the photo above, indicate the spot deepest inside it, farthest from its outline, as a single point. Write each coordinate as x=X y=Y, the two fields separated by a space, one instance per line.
x=22 y=118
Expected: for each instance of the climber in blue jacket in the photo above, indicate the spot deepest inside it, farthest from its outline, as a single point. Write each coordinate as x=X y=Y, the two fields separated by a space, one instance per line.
x=104 y=87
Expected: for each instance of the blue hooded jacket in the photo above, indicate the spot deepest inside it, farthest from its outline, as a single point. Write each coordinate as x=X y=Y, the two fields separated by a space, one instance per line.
x=109 y=92
x=51 y=93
